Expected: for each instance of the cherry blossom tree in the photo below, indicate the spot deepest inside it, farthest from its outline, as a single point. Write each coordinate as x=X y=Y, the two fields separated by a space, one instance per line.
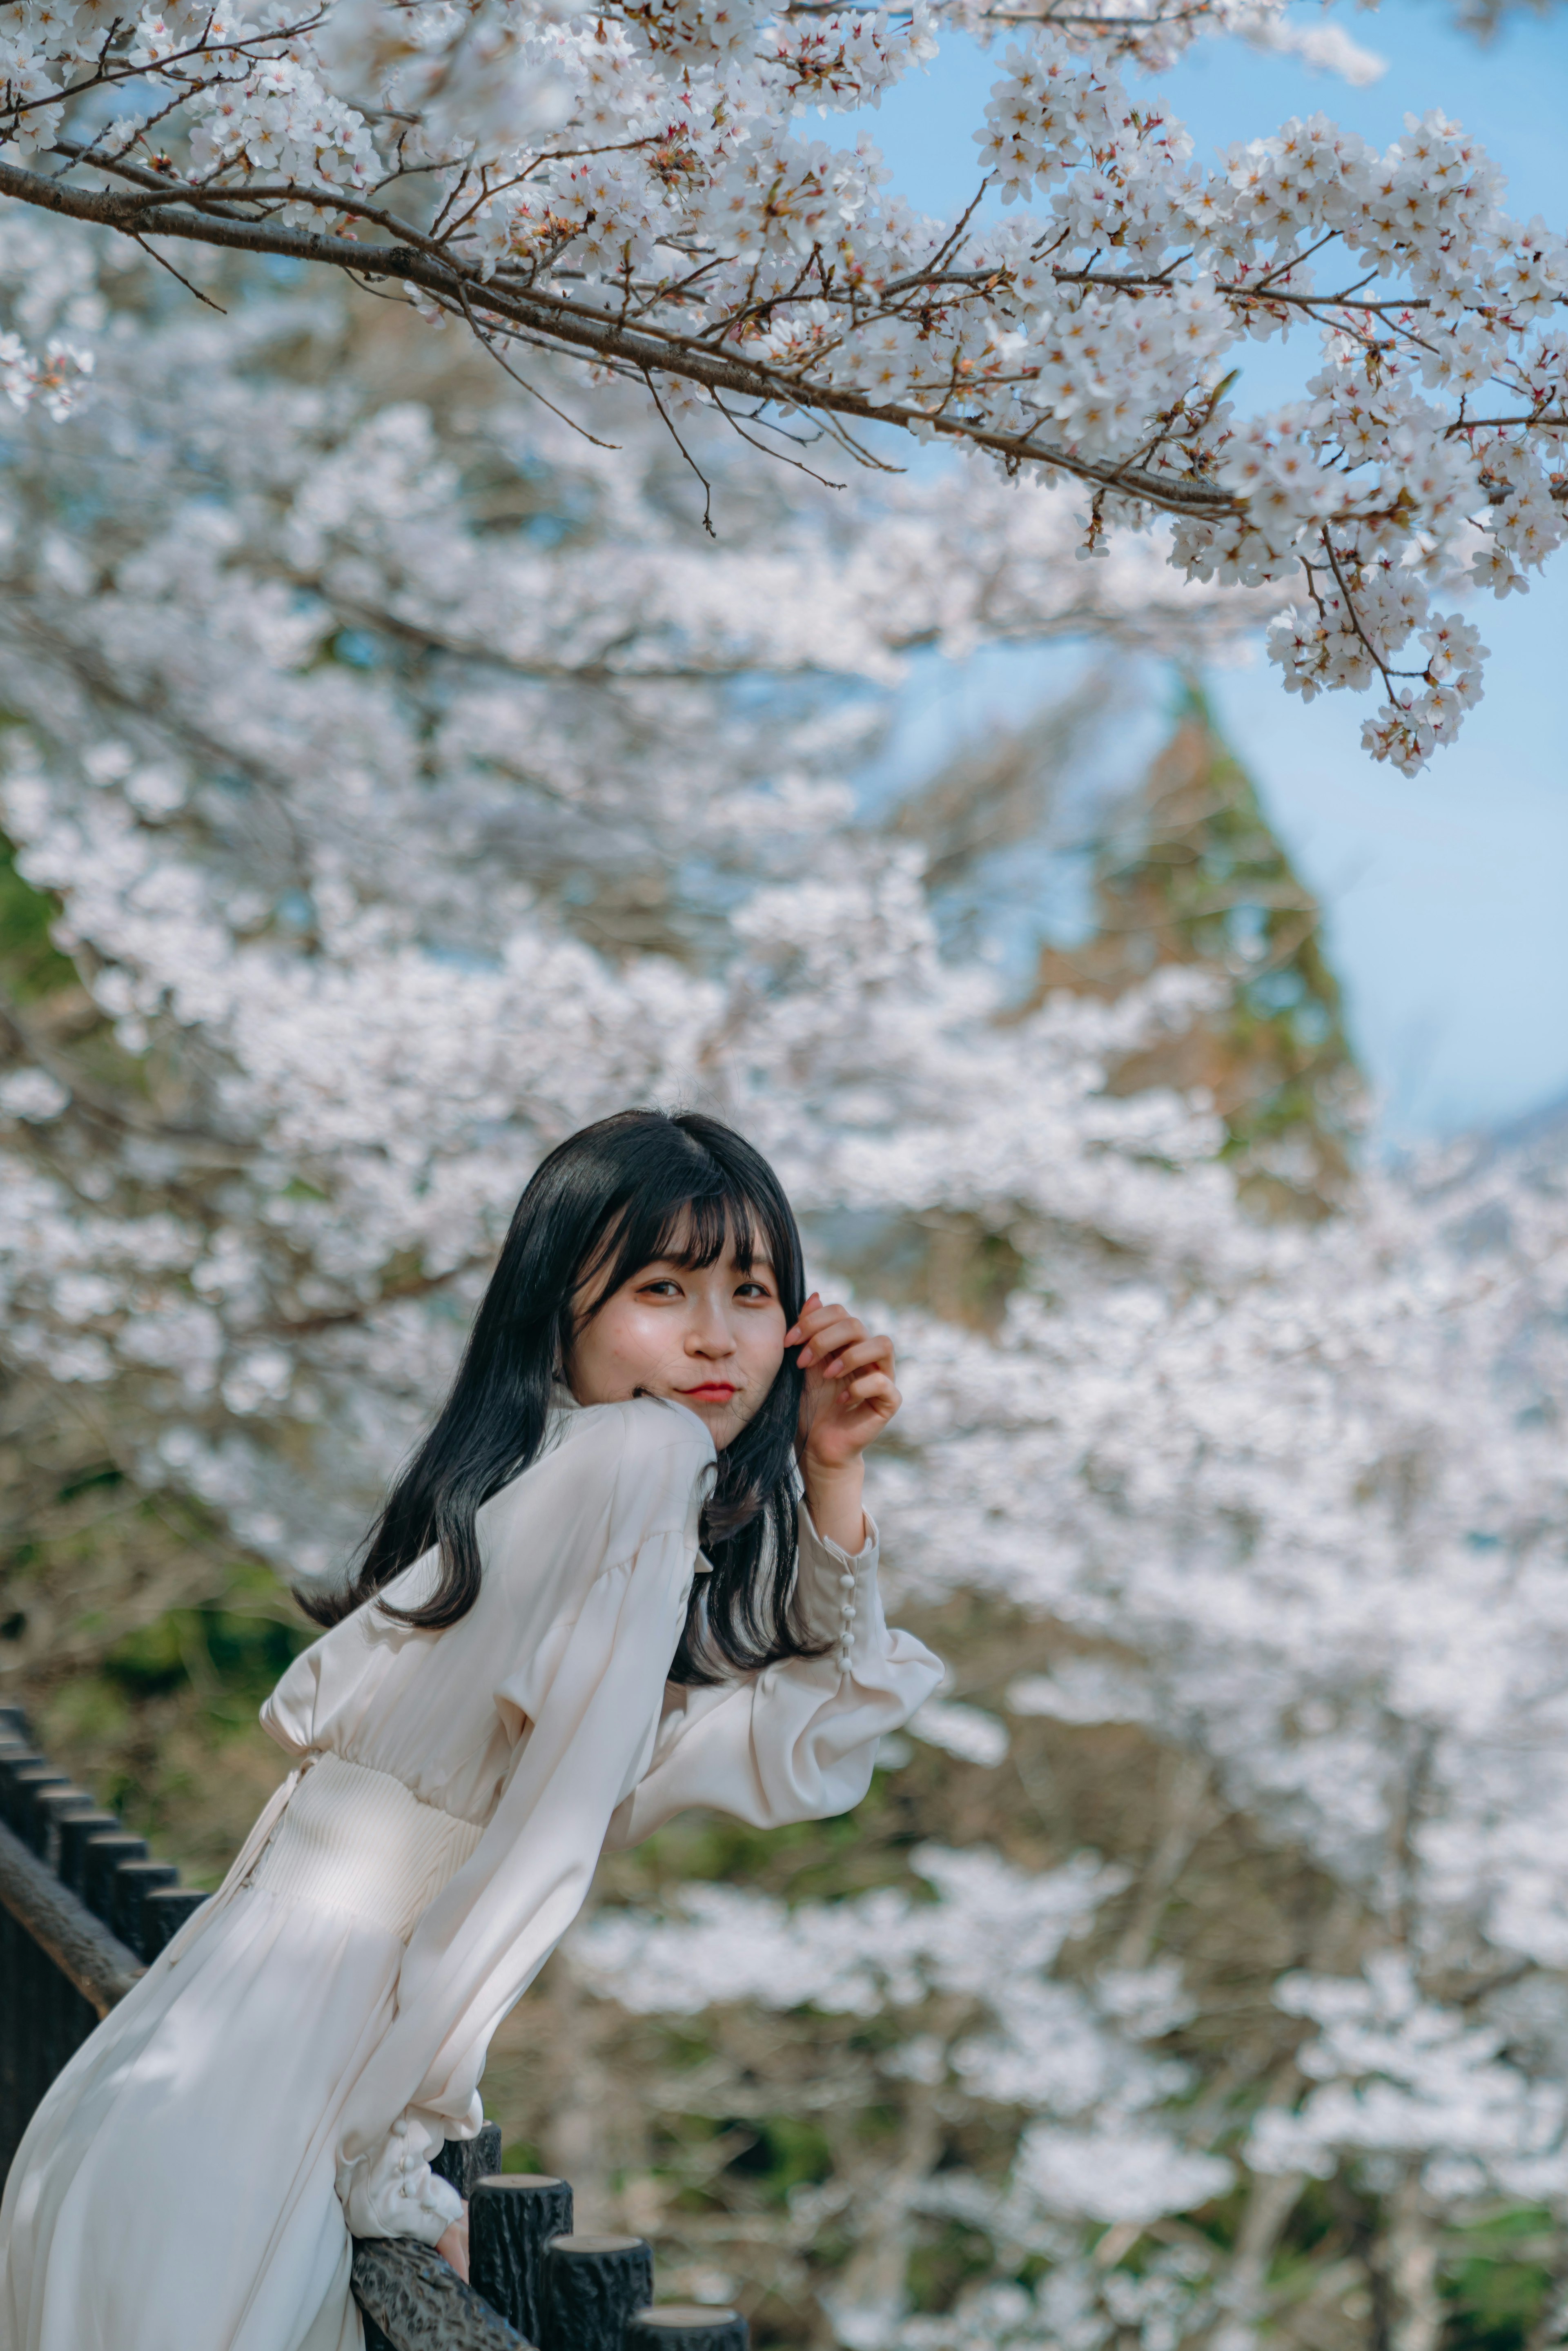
x=635 y=187
x=399 y=768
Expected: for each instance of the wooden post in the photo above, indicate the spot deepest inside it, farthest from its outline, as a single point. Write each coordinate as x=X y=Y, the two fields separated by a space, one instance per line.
x=104 y=1856
x=512 y=2217
x=163 y=1913
x=133 y=1882
x=22 y=1780
x=32 y=1793
x=464 y=2162
x=76 y=1833
x=49 y=1810
x=685 y=2326
x=591 y=2286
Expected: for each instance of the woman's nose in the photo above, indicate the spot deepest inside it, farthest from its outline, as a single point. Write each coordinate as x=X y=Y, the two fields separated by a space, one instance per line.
x=710 y=1334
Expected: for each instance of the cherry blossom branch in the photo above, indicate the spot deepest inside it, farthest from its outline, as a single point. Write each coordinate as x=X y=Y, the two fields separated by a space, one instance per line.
x=711 y=245
x=115 y=76
x=563 y=323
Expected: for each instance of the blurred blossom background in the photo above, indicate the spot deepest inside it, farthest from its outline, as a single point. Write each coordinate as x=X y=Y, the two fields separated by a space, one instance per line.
x=393 y=780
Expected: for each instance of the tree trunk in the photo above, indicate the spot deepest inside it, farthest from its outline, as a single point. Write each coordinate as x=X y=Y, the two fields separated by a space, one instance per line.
x=1410 y=2267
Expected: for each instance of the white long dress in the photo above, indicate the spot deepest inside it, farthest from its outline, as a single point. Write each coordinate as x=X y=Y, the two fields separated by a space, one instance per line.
x=280 y=2077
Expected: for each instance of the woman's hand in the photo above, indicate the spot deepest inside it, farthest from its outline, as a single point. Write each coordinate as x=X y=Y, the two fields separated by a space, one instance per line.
x=453 y=2245
x=850 y=1395
x=848 y=1399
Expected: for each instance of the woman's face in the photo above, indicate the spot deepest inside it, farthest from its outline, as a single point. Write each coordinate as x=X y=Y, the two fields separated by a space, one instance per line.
x=711 y=1337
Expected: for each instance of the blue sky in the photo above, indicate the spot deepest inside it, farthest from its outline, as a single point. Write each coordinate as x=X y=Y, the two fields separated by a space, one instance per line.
x=1445 y=895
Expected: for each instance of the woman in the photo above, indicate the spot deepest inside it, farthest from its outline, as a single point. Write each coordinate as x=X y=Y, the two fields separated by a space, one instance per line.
x=535 y=1661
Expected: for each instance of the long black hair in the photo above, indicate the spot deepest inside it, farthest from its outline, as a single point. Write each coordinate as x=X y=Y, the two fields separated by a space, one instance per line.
x=617 y=1195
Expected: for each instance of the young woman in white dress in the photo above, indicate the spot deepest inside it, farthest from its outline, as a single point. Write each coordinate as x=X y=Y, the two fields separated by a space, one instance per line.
x=627 y=1572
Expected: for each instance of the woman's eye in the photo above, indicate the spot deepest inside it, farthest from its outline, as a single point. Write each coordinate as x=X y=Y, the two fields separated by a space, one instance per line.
x=665 y=1289
x=751 y=1290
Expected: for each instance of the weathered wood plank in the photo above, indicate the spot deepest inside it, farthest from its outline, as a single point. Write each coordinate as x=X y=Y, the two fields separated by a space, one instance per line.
x=420 y=2303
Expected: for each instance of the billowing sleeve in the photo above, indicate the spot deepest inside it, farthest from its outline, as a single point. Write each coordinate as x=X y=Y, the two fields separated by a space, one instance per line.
x=287 y=1716
x=797 y=1740
x=589 y=1693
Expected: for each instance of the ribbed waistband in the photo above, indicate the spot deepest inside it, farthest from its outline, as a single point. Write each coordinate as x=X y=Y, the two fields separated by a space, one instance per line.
x=358 y=1840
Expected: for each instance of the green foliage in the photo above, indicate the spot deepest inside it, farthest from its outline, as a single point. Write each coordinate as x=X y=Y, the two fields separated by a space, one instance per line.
x=1497 y=2281
x=229 y=1652
x=780 y=2152
x=31 y=966
x=1191 y=872
x=95 y=1478
x=44 y=992
x=154 y=1659
x=159 y=1720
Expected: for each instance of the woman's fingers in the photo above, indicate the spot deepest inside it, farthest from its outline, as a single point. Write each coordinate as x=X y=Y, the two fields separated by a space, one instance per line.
x=831 y=1329
x=795 y=1333
x=837 y=1346
x=853 y=1414
x=827 y=1349
x=856 y=1357
x=817 y=1325
x=452 y=2244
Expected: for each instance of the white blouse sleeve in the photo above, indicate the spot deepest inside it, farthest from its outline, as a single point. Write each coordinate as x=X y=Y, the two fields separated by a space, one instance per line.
x=797 y=1740
x=590 y=1693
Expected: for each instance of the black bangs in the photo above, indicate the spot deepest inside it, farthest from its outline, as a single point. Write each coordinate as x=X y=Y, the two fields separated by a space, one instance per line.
x=686 y=1228
x=633 y=1189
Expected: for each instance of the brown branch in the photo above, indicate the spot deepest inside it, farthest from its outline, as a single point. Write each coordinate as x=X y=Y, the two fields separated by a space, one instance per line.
x=1138 y=282
x=1085 y=22
x=567 y=326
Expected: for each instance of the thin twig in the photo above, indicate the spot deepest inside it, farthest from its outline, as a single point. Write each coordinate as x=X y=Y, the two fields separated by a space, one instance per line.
x=184 y=281
x=731 y=419
x=707 y=486
x=488 y=342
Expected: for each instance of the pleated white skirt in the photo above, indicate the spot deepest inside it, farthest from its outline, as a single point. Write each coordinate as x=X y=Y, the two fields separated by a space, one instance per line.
x=174 y=2191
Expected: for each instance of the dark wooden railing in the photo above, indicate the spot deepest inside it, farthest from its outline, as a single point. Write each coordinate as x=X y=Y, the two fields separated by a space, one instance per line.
x=84 y=1910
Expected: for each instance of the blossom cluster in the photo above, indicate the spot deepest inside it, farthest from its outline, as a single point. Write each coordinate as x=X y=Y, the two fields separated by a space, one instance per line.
x=56 y=381
x=1097 y=2145
x=634 y=184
